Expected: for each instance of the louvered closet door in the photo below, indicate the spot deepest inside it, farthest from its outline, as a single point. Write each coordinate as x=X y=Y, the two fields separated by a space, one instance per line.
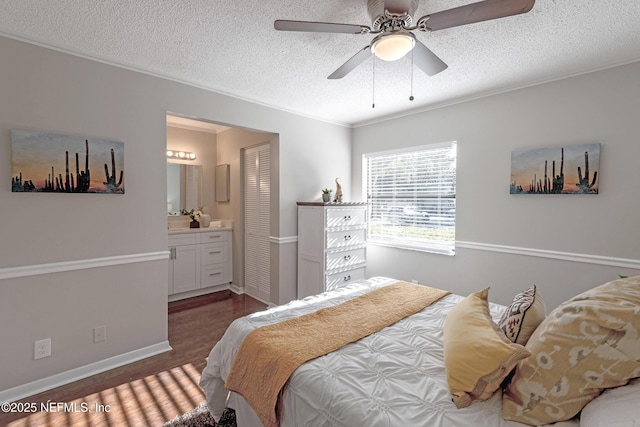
x=257 y=201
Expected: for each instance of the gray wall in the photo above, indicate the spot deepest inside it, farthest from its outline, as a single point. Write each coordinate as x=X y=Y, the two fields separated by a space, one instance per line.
x=564 y=244
x=71 y=262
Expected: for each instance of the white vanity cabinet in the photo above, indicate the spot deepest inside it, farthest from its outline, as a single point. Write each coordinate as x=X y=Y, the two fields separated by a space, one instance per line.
x=200 y=262
x=215 y=258
x=332 y=240
x=184 y=265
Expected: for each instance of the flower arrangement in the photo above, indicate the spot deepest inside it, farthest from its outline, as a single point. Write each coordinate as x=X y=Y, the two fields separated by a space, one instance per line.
x=195 y=216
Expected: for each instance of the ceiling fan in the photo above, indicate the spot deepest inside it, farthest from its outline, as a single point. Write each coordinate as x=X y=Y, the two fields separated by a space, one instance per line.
x=392 y=21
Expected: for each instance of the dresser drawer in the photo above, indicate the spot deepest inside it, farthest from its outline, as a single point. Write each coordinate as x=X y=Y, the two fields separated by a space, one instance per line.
x=211 y=275
x=346 y=238
x=213 y=253
x=346 y=217
x=213 y=236
x=334 y=281
x=344 y=259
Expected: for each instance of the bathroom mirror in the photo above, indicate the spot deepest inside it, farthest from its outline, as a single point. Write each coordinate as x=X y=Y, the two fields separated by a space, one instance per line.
x=222 y=183
x=184 y=187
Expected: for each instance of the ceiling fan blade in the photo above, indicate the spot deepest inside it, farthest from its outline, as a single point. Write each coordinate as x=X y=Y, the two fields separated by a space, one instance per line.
x=320 y=27
x=426 y=60
x=475 y=12
x=351 y=64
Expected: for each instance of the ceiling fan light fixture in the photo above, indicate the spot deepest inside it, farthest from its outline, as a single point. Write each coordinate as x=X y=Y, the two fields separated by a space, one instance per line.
x=391 y=47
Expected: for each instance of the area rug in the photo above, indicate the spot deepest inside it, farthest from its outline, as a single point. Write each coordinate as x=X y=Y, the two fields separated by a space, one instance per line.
x=200 y=417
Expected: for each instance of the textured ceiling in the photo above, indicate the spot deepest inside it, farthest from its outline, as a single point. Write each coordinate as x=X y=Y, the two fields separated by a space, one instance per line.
x=231 y=47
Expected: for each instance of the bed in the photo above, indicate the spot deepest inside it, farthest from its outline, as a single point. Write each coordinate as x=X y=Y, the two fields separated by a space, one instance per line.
x=393 y=377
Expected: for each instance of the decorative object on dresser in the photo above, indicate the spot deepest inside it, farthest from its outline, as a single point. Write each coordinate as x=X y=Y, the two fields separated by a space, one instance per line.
x=326 y=195
x=338 y=198
x=200 y=262
x=331 y=245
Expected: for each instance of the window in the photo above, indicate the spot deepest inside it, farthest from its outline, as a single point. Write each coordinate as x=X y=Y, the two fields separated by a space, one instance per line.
x=412 y=197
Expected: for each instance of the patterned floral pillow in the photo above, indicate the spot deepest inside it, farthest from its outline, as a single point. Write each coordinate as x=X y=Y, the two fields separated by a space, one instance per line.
x=589 y=343
x=523 y=315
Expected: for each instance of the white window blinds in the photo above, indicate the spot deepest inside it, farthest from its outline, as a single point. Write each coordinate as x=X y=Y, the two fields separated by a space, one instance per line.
x=412 y=197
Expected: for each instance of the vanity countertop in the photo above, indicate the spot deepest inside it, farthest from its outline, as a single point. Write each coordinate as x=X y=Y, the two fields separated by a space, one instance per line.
x=197 y=230
x=180 y=225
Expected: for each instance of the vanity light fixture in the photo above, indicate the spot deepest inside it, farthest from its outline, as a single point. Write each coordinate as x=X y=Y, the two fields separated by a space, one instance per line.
x=180 y=155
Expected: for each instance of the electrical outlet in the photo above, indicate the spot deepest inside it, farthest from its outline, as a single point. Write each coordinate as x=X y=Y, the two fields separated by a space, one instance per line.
x=42 y=348
x=99 y=334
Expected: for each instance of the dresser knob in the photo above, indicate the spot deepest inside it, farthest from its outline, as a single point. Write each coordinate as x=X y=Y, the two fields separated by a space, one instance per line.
x=347 y=278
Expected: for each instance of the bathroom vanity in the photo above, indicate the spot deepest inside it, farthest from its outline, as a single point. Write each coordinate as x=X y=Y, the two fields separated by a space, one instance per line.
x=200 y=261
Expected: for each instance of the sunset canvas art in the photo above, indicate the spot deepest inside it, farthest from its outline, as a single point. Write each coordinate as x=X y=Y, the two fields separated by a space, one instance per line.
x=559 y=170
x=53 y=163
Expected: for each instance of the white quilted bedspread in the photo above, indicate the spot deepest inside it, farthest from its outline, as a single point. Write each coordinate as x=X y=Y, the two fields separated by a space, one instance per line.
x=392 y=378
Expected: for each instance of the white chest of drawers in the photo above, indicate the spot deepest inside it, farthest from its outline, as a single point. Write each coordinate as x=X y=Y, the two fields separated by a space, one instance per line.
x=332 y=240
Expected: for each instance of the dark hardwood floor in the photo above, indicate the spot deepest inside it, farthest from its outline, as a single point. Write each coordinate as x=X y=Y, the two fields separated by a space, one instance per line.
x=151 y=391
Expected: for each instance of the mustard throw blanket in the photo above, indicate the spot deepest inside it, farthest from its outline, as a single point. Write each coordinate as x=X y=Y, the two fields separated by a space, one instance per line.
x=268 y=355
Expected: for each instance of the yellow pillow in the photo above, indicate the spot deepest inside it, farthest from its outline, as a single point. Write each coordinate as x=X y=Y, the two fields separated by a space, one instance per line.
x=587 y=344
x=477 y=354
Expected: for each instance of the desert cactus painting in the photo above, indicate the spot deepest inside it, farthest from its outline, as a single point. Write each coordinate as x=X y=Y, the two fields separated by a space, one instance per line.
x=574 y=170
x=41 y=163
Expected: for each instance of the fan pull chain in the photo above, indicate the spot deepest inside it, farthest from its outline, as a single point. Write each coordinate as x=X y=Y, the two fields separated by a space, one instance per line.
x=373 y=84
x=411 y=94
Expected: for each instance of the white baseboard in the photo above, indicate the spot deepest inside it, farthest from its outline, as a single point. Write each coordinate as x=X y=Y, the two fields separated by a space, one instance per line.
x=240 y=291
x=198 y=292
x=57 y=380
x=236 y=289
